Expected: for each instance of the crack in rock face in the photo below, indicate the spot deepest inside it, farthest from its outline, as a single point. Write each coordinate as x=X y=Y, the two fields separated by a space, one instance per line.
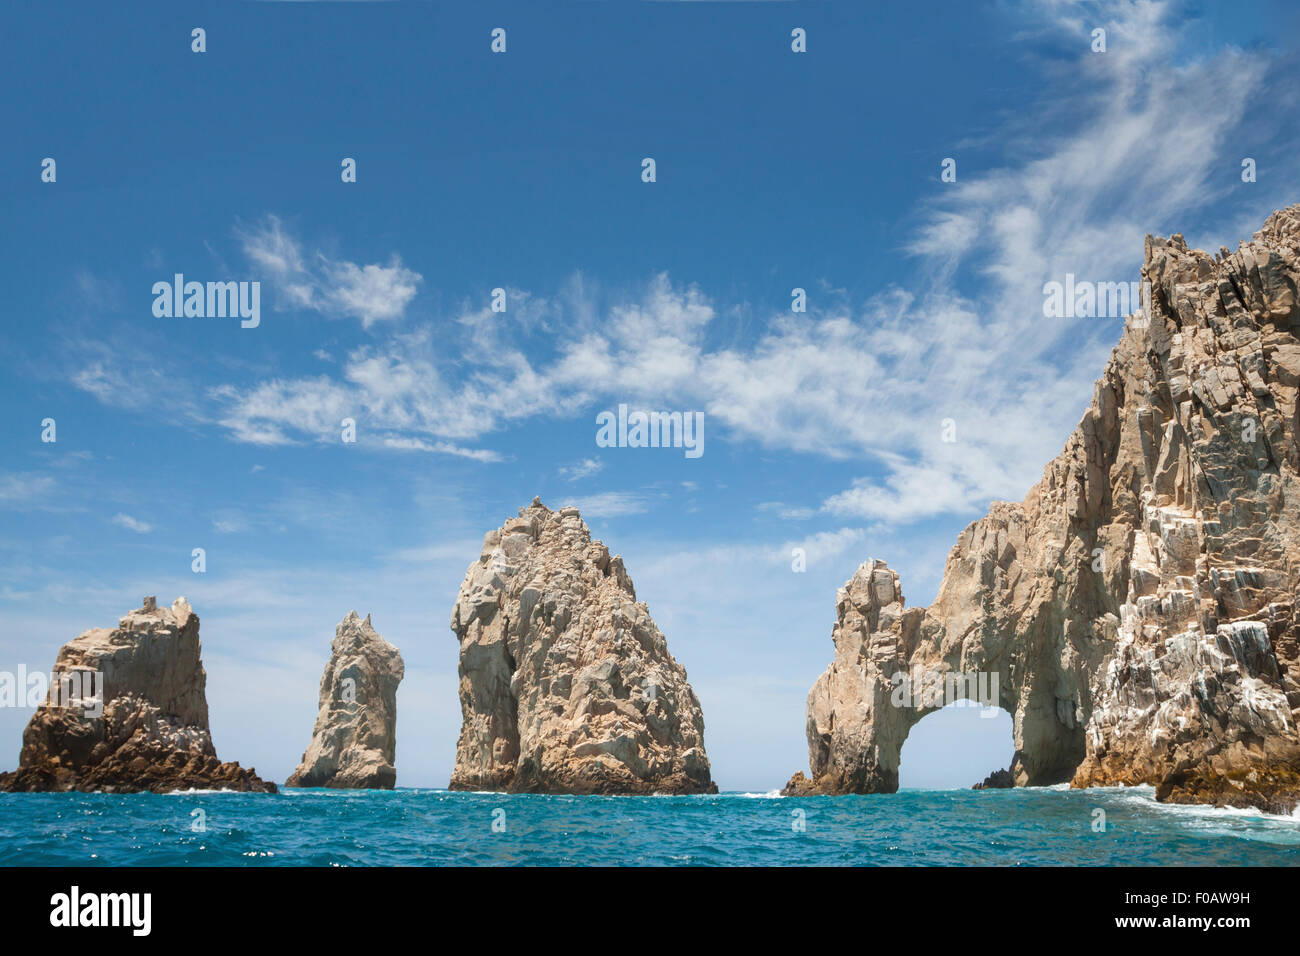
x=1138 y=607
x=354 y=741
x=566 y=684
x=152 y=733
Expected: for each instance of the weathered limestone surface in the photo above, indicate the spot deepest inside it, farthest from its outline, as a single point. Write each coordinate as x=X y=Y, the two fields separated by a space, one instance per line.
x=1139 y=605
x=355 y=737
x=566 y=684
x=152 y=733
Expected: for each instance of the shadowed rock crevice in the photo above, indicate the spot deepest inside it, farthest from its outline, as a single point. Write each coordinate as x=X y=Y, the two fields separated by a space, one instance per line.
x=1139 y=605
x=566 y=684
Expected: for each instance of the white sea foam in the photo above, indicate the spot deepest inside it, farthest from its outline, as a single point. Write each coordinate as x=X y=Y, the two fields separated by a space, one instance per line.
x=1242 y=823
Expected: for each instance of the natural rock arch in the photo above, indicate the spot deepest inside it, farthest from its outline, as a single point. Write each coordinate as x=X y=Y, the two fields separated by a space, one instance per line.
x=893 y=666
x=1139 y=605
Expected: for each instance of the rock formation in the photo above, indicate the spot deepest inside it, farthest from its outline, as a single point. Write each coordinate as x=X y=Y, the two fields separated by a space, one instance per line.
x=147 y=726
x=997 y=780
x=1138 y=607
x=566 y=684
x=355 y=737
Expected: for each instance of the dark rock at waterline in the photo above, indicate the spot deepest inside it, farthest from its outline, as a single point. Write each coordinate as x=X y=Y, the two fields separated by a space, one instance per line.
x=997 y=780
x=146 y=726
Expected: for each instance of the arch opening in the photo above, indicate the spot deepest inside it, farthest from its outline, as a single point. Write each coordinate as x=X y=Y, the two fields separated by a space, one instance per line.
x=956 y=747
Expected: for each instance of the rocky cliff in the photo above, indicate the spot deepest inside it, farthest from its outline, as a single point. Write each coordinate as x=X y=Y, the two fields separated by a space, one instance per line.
x=1138 y=608
x=355 y=737
x=147 y=727
x=566 y=684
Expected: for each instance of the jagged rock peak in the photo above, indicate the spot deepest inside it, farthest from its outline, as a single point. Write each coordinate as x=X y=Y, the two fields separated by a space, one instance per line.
x=140 y=721
x=354 y=740
x=566 y=684
x=1138 y=607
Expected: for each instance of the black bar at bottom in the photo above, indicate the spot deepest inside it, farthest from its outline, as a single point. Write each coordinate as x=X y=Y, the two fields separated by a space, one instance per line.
x=972 y=906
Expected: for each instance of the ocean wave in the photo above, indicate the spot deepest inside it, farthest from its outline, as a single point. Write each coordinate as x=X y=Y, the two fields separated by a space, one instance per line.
x=1229 y=813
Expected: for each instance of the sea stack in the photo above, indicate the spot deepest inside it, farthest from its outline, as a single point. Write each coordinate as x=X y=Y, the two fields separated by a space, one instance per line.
x=1138 y=607
x=355 y=737
x=566 y=684
x=143 y=725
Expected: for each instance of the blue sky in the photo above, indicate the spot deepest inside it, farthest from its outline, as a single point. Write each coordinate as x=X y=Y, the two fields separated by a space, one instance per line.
x=522 y=171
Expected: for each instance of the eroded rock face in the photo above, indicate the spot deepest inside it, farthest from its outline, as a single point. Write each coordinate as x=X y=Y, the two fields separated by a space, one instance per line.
x=566 y=684
x=151 y=728
x=1138 y=608
x=354 y=741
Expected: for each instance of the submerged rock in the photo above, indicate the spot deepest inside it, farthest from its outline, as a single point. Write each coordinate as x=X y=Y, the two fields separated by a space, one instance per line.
x=1138 y=607
x=566 y=684
x=355 y=737
x=146 y=727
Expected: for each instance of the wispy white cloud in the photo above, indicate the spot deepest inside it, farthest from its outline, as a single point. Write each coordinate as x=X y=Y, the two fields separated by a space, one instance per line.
x=443 y=448
x=131 y=524
x=333 y=287
x=230 y=522
x=23 y=488
x=1081 y=202
x=822 y=547
x=608 y=504
x=872 y=382
x=583 y=469
x=789 y=512
x=117 y=373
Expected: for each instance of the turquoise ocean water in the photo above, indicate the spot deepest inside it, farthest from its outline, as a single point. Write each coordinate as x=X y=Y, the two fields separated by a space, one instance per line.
x=410 y=827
